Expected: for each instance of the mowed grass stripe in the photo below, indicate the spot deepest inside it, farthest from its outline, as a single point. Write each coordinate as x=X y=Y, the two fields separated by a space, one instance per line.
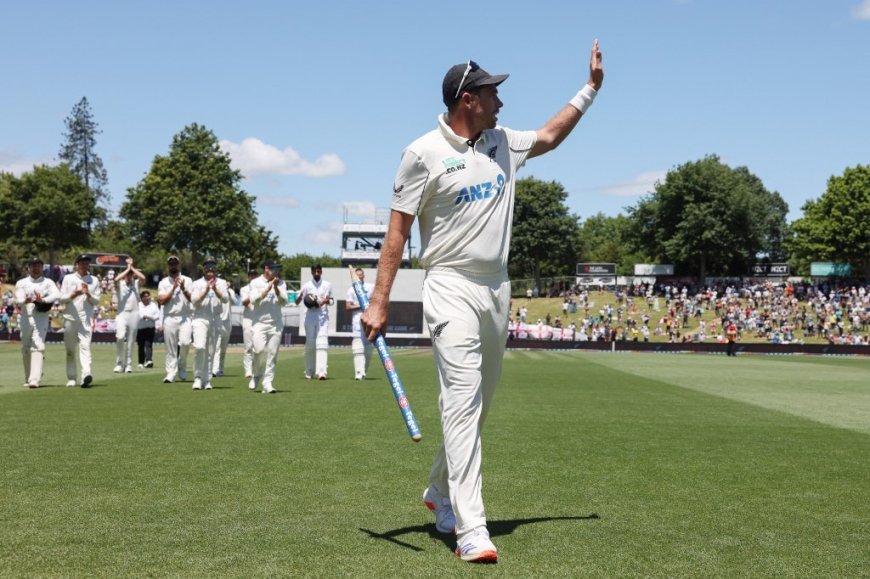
x=837 y=394
x=588 y=471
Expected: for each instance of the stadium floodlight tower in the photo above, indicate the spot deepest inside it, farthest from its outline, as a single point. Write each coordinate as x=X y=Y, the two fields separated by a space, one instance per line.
x=362 y=239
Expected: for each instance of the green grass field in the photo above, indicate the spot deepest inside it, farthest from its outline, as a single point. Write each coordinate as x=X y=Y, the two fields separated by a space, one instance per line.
x=595 y=464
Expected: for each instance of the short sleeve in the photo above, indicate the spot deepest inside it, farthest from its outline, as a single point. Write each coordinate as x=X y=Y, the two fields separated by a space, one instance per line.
x=410 y=184
x=520 y=144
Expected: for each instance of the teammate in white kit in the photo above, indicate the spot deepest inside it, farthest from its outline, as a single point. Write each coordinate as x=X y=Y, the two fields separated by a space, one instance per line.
x=316 y=323
x=248 y=324
x=224 y=330
x=207 y=296
x=127 y=320
x=34 y=295
x=360 y=346
x=173 y=294
x=459 y=181
x=80 y=294
x=268 y=294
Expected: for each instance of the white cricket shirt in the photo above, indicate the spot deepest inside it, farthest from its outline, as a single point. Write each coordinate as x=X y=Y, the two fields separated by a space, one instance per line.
x=462 y=195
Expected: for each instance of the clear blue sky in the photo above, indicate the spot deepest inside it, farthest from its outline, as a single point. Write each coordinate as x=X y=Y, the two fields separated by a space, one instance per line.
x=316 y=100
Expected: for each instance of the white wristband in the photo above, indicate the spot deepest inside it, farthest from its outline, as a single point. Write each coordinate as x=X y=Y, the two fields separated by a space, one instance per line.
x=583 y=99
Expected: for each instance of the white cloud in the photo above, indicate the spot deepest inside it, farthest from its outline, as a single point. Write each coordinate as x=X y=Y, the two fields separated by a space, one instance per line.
x=277 y=200
x=862 y=10
x=252 y=157
x=13 y=162
x=362 y=209
x=635 y=187
x=325 y=234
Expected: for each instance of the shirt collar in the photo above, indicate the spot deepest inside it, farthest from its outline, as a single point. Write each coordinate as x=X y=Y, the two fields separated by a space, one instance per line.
x=448 y=133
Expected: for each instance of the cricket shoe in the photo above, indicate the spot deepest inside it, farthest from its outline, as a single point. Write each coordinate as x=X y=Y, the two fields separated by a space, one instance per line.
x=321 y=376
x=169 y=379
x=208 y=385
x=475 y=547
x=140 y=366
x=128 y=370
x=149 y=364
x=267 y=389
x=252 y=384
x=71 y=384
x=445 y=520
x=117 y=369
x=197 y=384
x=86 y=381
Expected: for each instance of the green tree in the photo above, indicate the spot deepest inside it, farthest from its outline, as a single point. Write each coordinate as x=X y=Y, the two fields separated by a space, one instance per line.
x=45 y=211
x=708 y=218
x=192 y=200
x=606 y=240
x=545 y=234
x=78 y=151
x=292 y=264
x=836 y=226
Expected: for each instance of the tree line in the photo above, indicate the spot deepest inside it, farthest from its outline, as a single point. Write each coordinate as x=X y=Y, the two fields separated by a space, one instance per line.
x=705 y=218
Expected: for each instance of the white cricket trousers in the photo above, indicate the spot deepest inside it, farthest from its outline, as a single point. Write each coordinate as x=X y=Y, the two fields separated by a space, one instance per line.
x=177 y=334
x=467 y=318
x=248 y=340
x=127 y=324
x=220 y=355
x=77 y=334
x=266 y=341
x=316 y=345
x=361 y=348
x=33 y=333
x=205 y=341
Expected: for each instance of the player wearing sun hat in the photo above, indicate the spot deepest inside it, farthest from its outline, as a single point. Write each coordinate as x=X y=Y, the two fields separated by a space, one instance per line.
x=173 y=294
x=207 y=296
x=34 y=295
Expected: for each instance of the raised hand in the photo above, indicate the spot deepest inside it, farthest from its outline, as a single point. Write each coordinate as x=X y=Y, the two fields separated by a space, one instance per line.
x=596 y=69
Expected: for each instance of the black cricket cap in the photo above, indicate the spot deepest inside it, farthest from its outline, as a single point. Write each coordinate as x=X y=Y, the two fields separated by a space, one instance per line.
x=83 y=257
x=476 y=77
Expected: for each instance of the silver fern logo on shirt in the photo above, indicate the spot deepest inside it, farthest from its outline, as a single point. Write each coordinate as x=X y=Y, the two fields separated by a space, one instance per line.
x=480 y=192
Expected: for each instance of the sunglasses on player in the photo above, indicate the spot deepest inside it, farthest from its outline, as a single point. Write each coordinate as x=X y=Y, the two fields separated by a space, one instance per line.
x=469 y=68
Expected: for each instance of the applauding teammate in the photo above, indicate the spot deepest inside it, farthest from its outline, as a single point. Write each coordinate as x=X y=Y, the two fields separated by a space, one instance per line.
x=127 y=320
x=80 y=294
x=173 y=294
x=268 y=294
x=207 y=296
x=34 y=295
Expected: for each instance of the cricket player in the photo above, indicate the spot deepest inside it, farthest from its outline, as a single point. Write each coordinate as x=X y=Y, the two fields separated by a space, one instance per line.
x=316 y=323
x=173 y=294
x=224 y=330
x=360 y=346
x=459 y=180
x=34 y=296
x=80 y=294
x=207 y=296
x=127 y=320
x=248 y=325
x=268 y=294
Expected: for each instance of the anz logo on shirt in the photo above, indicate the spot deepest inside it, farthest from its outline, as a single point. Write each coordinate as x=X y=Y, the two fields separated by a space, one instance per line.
x=480 y=192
